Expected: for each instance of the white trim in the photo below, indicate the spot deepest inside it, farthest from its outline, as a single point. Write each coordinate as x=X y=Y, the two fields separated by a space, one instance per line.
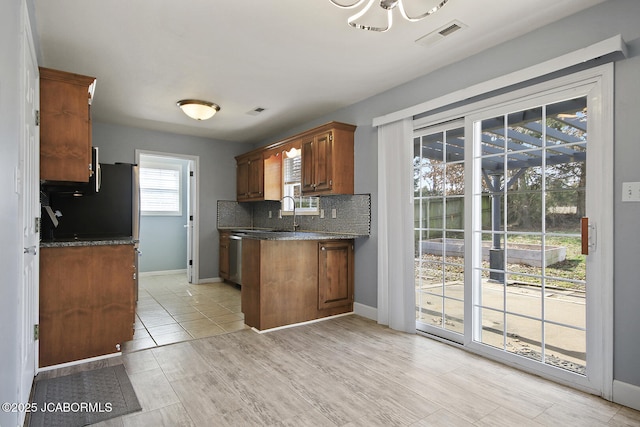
x=605 y=47
x=596 y=82
x=597 y=85
x=162 y=272
x=626 y=394
x=80 y=362
x=365 y=311
x=293 y=325
x=196 y=213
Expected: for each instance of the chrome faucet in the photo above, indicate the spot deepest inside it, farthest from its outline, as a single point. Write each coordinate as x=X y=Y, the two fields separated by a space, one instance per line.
x=295 y=224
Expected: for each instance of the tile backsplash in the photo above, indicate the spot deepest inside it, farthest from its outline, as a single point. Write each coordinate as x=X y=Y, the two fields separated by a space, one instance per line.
x=352 y=215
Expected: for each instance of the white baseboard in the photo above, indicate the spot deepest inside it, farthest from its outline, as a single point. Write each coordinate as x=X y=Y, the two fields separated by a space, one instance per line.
x=210 y=280
x=308 y=322
x=626 y=394
x=162 y=273
x=79 y=362
x=365 y=311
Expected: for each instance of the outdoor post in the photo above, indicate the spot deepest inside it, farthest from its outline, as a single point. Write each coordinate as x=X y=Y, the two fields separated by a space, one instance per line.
x=496 y=253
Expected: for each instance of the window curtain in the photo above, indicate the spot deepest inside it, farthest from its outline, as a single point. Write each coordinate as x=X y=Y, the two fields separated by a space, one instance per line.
x=396 y=288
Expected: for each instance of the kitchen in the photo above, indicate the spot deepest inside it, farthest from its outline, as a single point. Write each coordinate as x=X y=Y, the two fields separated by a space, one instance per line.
x=218 y=167
x=85 y=221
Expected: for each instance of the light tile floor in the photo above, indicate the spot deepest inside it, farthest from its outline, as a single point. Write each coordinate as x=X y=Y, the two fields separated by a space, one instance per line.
x=171 y=310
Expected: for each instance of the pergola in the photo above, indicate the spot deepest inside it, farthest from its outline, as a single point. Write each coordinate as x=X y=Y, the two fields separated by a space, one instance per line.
x=538 y=137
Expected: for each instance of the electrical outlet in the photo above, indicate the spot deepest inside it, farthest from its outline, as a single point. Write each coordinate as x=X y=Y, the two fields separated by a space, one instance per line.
x=334 y=214
x=631 y=191
x=270 y=214
x=321 y=213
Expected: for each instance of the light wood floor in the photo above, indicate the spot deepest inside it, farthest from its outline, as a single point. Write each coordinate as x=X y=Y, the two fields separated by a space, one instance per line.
x=345 y=371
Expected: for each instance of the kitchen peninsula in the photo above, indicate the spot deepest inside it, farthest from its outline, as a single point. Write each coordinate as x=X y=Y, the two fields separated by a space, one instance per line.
x=293 y=277
x=288 y=239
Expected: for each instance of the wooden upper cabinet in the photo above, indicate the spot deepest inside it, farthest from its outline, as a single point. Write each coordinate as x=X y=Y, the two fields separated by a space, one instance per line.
x=65 y=126
x=242 y=178
x=327 y=164
x=250 y=177
x=272 y=174
x=327 y=160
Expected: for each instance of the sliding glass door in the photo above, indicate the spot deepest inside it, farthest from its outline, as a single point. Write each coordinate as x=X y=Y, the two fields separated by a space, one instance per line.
x=439 y=191
x=531 y=281
x=512 y=225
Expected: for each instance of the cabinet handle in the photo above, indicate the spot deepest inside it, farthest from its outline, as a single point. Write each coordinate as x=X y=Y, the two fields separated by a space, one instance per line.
x=323 y=248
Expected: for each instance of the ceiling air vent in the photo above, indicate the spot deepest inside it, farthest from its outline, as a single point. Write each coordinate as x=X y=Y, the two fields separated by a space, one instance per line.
x=256 y=111
x=440 y=33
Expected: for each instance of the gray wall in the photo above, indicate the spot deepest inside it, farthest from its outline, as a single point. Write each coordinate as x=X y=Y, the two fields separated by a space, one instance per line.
x=582 y=29
x=217 y=163
x=11 y=258
x=163 y=238
x=217 y=170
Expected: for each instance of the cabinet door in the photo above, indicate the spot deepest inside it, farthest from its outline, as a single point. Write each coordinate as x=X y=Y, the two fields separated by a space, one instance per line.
x=224 y=256
x=256 y=177
x=64 y=321
x=335 y=274
x=272 y=175
x=112 y=293
x=323 y=171
x=65 y=126
x=242 y=179
x=87 y=301
x=308 y=169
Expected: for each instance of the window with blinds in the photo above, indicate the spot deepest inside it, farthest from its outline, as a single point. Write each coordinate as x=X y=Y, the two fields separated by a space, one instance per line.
x=292 y=186
x=160 y=188
x=292 y=170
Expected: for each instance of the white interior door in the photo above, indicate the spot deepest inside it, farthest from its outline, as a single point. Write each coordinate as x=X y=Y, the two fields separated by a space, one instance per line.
x=28 y=189
x=189 y=225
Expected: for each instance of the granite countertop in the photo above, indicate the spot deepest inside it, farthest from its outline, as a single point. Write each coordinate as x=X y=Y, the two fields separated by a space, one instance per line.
x=71 y=242
x=260 y=234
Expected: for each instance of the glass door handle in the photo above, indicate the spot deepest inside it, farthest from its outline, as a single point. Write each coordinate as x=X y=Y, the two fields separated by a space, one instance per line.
x=588 y=235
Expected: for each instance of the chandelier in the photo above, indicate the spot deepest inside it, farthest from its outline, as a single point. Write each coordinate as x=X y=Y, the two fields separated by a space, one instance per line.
x=381 y=18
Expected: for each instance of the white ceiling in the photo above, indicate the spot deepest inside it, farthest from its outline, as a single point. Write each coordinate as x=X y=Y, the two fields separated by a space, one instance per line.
x=298 y=59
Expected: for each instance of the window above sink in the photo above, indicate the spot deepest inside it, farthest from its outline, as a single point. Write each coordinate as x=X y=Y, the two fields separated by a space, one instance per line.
x=292 y=186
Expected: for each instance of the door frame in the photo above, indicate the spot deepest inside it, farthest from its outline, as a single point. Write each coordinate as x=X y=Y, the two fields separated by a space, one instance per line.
x=29 y=178
x=192 y=190
x=601 y=130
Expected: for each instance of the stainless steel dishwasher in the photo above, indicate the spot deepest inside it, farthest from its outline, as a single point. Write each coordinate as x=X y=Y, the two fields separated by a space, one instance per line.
x=235 y=259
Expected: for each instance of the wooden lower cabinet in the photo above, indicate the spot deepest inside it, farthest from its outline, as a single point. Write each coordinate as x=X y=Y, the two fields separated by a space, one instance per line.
x=335 y=274
x=282 y=281
x=223 y=258
x=87 y=301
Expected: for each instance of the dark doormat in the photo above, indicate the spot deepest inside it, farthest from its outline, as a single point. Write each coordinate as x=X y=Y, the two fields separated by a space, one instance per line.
x=83 y=398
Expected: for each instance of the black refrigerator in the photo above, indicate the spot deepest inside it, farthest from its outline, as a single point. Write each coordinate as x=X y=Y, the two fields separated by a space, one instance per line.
x=111 y=213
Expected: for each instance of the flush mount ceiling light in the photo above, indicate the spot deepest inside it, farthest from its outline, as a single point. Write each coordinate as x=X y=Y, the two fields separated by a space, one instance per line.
x=381 y=18
x=198 y=110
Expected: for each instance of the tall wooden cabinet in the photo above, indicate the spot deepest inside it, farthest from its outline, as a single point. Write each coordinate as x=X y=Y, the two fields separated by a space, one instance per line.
x=87 y=301
x=65 y=125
